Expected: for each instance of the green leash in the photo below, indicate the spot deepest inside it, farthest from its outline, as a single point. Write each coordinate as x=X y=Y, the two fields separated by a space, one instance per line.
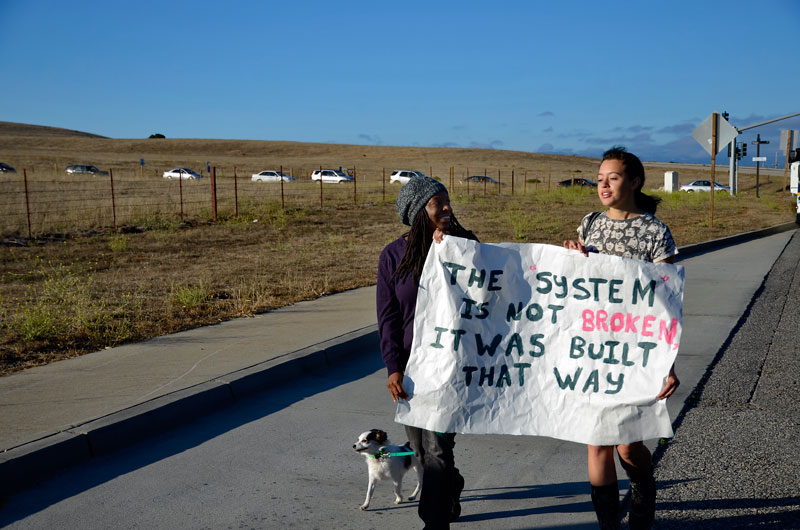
x=382 y=454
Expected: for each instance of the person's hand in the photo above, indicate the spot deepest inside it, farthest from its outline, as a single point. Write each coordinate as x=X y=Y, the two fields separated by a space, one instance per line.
x=438 y=234
x=395 y=386
x=670 y=385
x=576 y=245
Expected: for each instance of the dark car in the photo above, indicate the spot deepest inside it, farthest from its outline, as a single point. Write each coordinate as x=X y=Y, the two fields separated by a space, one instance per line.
x=582 y=182
x=77 y=169
x=5 y=168
x=484 y=178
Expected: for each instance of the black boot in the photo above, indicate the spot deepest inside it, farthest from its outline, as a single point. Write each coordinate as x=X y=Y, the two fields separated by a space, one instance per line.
x=643 y=501
x=606 y=506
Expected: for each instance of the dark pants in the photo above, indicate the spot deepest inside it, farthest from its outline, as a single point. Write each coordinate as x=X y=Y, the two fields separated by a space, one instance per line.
x=440 y=478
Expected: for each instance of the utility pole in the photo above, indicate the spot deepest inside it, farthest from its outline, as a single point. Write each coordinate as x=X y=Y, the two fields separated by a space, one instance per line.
x=758 y=144
x=732 y=161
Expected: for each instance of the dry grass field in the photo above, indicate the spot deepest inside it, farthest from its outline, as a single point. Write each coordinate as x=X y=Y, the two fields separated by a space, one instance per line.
x=79 y=285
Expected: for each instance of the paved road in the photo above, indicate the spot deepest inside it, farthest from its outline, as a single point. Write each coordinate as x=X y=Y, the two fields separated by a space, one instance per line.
x=283 y=459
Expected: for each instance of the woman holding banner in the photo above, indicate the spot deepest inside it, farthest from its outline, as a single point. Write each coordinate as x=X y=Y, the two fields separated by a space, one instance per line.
x=628 y=228
x=424 y=205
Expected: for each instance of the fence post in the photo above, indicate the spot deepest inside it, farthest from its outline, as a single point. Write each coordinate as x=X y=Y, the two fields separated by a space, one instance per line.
x=355 y=185
x=485 y=173
x=512 y=182
x=113 y=200
x=27 y=203
x=498 y=182
x=180 y=187
x=548 y=182
x=214 y=193
x=384 y=184
x=283 y=204
x=235 y=193
x=320 y=187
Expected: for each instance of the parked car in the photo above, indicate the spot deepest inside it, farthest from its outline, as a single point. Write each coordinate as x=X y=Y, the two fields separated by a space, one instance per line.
x=5 y=168
x=331 y=175
x=84 y=169
x=404 y=175
x=484 y=178
x=582 y=182
x=272 y=176
x=702 y=185
x=182 y=173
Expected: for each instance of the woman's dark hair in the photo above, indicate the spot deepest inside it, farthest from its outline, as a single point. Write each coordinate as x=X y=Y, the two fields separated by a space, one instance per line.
x=634 y=169
x=418 y=242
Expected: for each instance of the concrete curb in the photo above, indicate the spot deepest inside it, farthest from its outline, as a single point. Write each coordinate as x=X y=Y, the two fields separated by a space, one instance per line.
x=689 y=251
x=28 y=464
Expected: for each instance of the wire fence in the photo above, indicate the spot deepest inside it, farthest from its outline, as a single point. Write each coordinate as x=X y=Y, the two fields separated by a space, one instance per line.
x=43 y=202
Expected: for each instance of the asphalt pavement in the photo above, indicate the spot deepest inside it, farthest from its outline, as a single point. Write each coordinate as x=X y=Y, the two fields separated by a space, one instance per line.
x=84 y=410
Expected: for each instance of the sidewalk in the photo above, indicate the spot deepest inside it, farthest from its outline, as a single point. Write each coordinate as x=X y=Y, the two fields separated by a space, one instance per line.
x=67 y=412
x=733 y=461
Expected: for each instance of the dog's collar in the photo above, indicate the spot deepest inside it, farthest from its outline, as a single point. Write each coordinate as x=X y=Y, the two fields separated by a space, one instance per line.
x=382 y=453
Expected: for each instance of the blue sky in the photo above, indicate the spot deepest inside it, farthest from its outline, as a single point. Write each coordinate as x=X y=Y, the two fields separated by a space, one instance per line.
x=569 y=77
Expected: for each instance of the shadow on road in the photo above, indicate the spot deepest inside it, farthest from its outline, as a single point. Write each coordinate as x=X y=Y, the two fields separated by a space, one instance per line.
x=103 y=469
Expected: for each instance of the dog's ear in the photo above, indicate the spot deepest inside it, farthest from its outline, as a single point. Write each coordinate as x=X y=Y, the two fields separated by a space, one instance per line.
x=377 y=435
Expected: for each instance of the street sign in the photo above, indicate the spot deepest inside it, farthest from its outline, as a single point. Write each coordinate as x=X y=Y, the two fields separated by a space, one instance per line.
x=141 y=161
x=782 y=144
x=725 y=133
x=759 y=159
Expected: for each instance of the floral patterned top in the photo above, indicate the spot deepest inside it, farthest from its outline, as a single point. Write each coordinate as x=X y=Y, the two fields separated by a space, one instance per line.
x=643 y=237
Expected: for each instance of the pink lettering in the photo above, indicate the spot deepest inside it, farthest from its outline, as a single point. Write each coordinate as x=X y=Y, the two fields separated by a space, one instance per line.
x=630 y=323
x=601 y=320
x=646 y=323
x=668 y=335
x=617 y=322
x=588 y=320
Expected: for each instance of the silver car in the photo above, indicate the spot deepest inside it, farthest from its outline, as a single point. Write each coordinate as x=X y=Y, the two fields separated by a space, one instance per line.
x=271 y=176
x=84 y=169
x=183 y=173
x=331 y=175
x=703 y=185
x=404 y=175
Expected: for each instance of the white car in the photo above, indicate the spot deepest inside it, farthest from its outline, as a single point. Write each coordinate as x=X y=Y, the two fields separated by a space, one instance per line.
x=272 y=176
x=703 y=185
x=182 y=173
x=331 y=175
x=404 y=175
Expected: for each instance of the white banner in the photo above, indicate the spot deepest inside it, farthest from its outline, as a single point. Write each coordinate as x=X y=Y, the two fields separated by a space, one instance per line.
x=538 y=340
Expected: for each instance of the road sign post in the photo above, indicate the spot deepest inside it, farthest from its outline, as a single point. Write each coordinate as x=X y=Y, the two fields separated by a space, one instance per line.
x=758 y=159
x=711 y=134
x=789 y=137
x=714 y=132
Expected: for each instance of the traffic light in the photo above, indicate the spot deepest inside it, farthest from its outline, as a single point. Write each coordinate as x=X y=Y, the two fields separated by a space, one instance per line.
x=744 y=149
x=738 y=153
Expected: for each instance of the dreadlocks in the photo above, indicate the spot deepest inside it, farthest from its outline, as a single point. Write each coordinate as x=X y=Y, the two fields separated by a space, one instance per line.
x=418 y=242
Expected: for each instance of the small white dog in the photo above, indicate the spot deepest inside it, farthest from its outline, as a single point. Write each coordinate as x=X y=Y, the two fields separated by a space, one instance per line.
x=386 y=461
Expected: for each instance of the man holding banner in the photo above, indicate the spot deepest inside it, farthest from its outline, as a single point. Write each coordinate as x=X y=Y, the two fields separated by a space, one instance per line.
x=541 y=340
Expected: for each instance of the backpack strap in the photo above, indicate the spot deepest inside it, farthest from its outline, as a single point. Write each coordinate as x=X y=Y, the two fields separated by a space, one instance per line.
x=592 y=218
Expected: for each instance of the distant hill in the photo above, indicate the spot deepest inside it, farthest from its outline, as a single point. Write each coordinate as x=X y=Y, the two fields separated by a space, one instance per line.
x=8 y=128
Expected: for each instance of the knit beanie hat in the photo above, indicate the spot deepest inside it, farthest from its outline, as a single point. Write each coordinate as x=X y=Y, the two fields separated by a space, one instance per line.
x=415 y=195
